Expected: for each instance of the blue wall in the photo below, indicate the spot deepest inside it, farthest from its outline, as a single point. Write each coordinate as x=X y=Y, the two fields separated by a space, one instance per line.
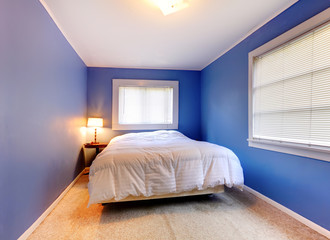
x=299 y=183
x=42 y=107
x=99 y=97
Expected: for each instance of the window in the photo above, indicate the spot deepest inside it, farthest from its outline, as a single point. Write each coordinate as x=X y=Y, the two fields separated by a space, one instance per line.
x=144 y=104
x=289 y=91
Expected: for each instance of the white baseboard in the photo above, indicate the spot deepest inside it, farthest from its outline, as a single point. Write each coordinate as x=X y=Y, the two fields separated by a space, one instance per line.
x=291 y=213
x=30 y=230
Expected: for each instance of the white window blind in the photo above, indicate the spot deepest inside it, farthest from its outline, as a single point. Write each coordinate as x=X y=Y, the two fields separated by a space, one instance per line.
x=291 y=91
x=145 y=105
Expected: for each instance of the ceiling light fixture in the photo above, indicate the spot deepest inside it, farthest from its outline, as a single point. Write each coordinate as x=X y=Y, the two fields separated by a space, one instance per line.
x=171 y=6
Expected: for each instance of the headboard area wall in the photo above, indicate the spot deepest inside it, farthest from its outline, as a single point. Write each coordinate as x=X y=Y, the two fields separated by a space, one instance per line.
x=99 y=97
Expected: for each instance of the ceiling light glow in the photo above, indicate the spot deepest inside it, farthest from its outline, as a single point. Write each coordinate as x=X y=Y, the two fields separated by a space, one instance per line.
x=171 y=6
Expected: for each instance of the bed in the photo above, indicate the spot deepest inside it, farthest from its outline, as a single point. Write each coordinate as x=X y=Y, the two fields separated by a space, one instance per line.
x=161 y=164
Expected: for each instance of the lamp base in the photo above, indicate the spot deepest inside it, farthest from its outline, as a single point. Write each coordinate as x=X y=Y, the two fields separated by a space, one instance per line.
x=95 y=137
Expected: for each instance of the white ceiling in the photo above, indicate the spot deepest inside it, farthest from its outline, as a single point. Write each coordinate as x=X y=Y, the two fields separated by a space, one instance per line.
x=135 y=33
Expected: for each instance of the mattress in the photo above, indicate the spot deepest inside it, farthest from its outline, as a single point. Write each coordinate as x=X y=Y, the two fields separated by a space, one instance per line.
x=157 y=163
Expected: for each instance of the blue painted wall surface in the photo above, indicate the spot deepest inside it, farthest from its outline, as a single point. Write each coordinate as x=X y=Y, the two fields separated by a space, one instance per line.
x=42 y=107
x=99 y=97
x=299 y=183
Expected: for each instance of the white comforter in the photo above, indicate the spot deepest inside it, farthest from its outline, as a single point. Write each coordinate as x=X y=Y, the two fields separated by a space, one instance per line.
x=161 y=162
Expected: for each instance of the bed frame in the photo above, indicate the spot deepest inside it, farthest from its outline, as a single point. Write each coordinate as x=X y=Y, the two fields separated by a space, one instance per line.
x=217 y=189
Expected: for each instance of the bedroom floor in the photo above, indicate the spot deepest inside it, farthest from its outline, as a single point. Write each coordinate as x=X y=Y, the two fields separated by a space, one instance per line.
x=229 y=215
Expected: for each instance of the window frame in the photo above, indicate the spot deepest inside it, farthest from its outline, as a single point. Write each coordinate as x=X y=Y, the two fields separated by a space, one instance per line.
x=305 y=150
x=116 y=83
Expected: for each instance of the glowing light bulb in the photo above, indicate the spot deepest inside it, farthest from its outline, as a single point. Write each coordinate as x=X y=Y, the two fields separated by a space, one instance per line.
x=171 y=6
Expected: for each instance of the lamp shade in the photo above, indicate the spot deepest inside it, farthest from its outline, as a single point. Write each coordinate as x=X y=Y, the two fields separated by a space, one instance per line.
x=95 y=122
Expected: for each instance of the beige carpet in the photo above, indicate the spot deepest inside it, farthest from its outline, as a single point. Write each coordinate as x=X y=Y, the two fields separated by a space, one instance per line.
x=230 y=215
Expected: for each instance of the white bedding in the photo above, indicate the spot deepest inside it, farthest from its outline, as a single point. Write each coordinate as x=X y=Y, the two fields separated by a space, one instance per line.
x=160 y=162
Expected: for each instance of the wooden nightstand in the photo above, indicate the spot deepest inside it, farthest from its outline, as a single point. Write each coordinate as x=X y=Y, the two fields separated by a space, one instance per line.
x=97 y=146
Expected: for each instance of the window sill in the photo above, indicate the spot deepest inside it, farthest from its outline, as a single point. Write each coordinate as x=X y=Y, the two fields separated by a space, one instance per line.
x=320 y=153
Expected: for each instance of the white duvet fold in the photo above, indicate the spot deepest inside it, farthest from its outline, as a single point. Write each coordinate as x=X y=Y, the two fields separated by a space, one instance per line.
x=161 y=162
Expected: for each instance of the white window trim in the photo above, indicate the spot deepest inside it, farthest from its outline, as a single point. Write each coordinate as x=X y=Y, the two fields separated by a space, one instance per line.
x=116 y=83
x=311 y=151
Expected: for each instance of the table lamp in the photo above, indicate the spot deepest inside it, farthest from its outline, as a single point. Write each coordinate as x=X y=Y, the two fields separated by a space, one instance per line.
x=95 y=122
